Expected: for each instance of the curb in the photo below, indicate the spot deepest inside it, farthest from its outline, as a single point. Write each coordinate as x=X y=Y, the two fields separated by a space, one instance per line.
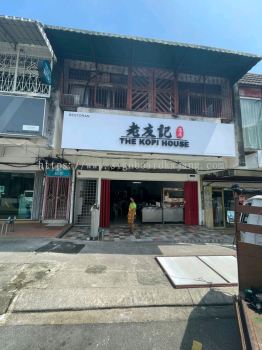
x=64 y=231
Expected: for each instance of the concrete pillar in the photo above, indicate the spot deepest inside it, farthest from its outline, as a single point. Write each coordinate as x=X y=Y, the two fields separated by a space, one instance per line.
x=208 y=206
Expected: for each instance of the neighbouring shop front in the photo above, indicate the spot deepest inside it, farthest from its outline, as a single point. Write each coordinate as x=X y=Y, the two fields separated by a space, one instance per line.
x=219 y=206
x=218 y=197
x=57 y=194
x=20 y=195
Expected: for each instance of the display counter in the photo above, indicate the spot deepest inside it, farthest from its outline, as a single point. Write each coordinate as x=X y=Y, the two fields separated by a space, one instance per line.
x=152 y=214
x=158 y=214
x=173 y=214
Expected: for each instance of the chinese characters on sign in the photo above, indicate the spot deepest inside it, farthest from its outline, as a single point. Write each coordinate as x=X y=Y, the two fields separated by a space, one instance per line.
x=161 y=136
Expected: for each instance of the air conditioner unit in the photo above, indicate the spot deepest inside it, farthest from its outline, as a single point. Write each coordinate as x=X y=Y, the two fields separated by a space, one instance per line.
x=71 y=100
x=76 y=100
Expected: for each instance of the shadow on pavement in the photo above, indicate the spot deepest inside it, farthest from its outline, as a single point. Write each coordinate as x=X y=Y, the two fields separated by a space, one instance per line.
x=214 y=327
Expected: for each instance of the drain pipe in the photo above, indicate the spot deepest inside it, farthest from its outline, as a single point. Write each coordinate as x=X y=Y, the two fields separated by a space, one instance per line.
x=238 y=126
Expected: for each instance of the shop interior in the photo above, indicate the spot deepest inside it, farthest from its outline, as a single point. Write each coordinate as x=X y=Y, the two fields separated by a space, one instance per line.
x=157 y=202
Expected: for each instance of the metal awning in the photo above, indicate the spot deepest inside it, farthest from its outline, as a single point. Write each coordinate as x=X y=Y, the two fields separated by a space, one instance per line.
x=14 y=30
x=126 y=50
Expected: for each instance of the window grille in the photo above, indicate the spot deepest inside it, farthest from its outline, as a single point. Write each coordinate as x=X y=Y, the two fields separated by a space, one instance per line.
x=85 y=197
x=144 y=89
x=19 y=74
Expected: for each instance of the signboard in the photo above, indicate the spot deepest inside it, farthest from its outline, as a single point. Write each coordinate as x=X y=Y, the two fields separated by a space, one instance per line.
x=109 y=132
x=21 y=115
x=58 y=172
x=230 y=216
x=45 y=73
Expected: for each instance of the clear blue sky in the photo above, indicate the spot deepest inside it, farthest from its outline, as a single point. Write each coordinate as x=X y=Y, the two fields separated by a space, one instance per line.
x=229 y=24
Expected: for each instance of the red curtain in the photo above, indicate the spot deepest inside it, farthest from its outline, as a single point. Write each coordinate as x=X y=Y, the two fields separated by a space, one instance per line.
x=191 y=203
x=105 y=203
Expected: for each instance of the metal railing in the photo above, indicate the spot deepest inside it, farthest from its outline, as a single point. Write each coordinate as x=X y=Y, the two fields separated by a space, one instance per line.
x=144 y=101
x=197 y=105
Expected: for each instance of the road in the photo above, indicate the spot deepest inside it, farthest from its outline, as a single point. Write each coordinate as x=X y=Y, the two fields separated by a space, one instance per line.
x=215 y=333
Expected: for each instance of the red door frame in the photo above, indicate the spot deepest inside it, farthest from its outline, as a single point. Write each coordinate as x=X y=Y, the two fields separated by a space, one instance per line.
x=105 y=203
x=191 y=212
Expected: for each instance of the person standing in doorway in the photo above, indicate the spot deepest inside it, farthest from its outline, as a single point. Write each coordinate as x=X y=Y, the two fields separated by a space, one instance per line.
x=131 y=215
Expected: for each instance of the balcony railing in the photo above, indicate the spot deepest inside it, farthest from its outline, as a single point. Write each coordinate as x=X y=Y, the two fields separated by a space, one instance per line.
x=198 y=106
x=214 y=107
x=148 y=90
x=109 y=98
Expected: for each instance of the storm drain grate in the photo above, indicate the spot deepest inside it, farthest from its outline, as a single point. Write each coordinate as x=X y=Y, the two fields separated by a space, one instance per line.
x=61 y=247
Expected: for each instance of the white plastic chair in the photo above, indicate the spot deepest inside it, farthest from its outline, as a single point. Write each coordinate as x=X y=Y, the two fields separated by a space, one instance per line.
x=8 y=225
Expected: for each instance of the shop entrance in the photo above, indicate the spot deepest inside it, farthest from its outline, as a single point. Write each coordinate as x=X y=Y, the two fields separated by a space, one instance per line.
x=157 y=202
x=223 y=207
x=56 y=198
x=85 y=197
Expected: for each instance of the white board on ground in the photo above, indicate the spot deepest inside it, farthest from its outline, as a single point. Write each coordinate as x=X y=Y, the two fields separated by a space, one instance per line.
x=189 y=270
x=225 y=266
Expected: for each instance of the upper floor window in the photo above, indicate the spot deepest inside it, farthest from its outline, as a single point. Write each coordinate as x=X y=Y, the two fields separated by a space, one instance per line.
x=200 y=99
x=251 y=113
x=144 y=90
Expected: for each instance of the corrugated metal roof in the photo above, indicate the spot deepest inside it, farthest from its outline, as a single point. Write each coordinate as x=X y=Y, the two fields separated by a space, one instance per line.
x=251 y=79
x=150 y=40
x=17 y=30
x=127 y=50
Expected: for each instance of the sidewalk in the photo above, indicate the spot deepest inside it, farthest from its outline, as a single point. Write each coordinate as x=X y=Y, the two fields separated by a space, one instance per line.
x=175 y=233
x=103 y=276
x=30 y=230
x=110 y=295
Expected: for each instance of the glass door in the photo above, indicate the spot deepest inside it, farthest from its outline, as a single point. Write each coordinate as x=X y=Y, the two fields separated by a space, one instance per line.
x=229 y=204
x=218 y=207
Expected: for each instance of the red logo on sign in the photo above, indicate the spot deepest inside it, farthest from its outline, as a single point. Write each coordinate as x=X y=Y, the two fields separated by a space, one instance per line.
x=179 y=132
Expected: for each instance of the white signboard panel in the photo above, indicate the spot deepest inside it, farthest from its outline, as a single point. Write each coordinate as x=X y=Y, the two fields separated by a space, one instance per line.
x=189 y=270
x=225 y=266
x=200 y=270
x=110 y=132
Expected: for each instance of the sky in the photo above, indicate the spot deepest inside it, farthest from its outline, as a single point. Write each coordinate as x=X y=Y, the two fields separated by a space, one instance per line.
x=230 y=24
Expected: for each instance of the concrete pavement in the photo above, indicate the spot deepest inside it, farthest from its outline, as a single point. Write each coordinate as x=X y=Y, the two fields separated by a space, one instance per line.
x=106 y=283
x=98 y=278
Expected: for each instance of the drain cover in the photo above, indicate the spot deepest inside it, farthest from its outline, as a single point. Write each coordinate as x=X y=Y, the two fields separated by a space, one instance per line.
x=61 y=247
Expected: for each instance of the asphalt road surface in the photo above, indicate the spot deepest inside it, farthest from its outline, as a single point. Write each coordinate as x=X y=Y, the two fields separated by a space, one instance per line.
x=213 y=333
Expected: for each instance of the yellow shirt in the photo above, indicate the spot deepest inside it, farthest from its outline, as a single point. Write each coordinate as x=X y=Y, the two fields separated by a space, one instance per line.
x=132 y=205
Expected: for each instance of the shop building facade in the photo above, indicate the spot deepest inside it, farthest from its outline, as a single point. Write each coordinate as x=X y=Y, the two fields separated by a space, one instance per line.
x=121 y=117
x=147 y=119
x=218 y=196
x=26 y=116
